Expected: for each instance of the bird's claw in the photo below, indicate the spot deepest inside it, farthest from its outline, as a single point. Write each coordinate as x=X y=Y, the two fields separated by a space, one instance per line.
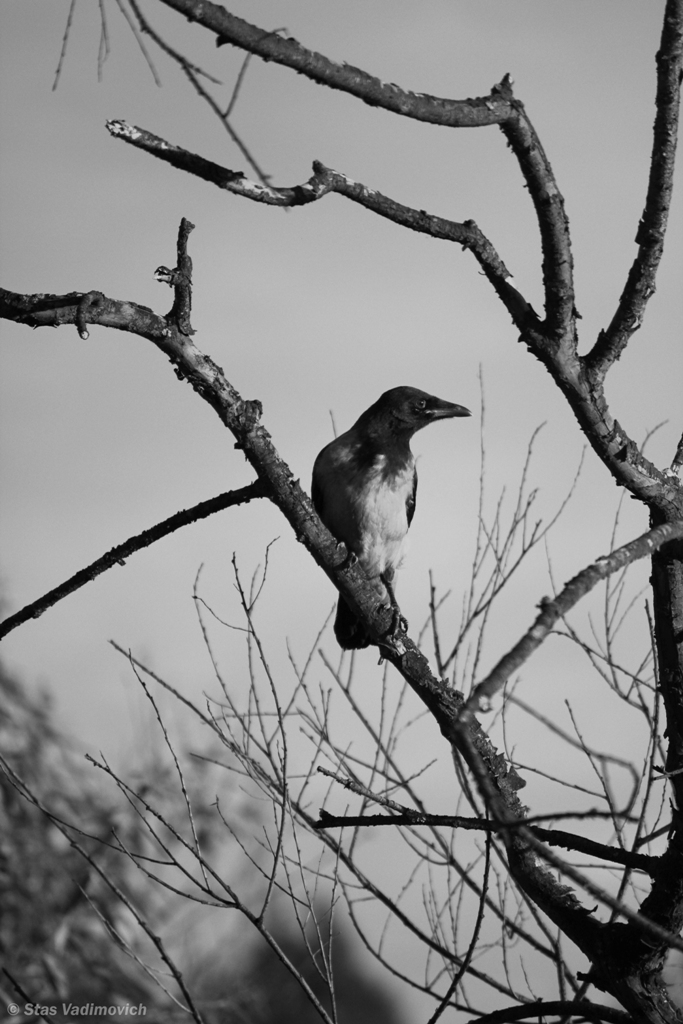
x=350 y=559
x=393 y=642
x=399 y=623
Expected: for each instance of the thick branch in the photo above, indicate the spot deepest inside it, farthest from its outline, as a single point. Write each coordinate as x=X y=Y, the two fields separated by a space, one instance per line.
x=640 y=284
x=44 y=310
x=558 y=268
x=118 y=554
x=273 y=46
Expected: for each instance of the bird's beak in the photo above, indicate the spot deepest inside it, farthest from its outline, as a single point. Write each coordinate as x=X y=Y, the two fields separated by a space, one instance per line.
x=444 y=410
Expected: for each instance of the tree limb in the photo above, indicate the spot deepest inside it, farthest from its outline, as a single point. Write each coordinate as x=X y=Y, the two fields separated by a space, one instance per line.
x=118 y=554
x=273 y=46
x=571 y=594
x=563 y=1008
x=499 y=108
x=640 y=284
x=325 y=181
x=553 y=837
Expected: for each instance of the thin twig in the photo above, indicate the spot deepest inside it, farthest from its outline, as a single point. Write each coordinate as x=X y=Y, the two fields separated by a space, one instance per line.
x=65 y=40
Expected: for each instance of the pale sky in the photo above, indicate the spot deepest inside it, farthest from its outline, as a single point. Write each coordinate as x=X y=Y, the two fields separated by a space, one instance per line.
x=316 y=310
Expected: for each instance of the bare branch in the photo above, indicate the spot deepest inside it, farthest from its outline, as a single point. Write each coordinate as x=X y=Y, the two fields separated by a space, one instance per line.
x=139 y=40
x=554 y=340
x=499 y=107
x=118 y=554
x=104 y=49
x=560 y=1007
x=273 y=46
x=640 y=284
x=611 y=970
x=553 y=837
x=65 y=41
x=553 y=610
x=559 y=329
x=194 y=74
x=44 y=310
x=324 y=181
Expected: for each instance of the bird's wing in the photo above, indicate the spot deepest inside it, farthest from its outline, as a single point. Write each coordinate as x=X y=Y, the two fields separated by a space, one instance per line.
x=316 y=494
x=411 y=500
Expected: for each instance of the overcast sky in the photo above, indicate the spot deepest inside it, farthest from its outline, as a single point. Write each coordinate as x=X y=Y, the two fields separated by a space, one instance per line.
x=315 y=311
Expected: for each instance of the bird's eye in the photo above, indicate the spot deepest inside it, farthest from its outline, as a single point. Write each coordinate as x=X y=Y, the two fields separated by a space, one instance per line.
x=422 y=404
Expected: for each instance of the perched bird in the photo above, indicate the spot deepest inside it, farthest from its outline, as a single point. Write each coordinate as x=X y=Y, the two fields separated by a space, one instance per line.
x=364 y=487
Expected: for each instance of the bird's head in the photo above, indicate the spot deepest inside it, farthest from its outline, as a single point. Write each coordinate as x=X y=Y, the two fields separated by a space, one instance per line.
x=406 y=410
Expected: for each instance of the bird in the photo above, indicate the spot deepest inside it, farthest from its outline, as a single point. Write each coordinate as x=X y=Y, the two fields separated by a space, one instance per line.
x=364 y=488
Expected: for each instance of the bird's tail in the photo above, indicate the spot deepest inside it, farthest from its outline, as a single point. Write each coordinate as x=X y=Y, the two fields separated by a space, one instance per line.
x=350 y=632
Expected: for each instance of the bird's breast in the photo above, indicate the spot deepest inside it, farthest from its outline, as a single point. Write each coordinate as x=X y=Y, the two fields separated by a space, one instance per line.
x=367 y=509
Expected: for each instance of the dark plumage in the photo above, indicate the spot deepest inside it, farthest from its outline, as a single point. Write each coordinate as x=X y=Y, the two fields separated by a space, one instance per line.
x=364 y=487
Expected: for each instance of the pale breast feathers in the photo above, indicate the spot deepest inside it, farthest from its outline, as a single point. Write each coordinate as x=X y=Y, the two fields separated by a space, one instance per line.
x=368 y=506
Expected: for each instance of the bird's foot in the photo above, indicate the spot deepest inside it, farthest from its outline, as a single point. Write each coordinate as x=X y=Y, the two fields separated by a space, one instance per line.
x=350 y=558
x=399 y=623
x=392 y=639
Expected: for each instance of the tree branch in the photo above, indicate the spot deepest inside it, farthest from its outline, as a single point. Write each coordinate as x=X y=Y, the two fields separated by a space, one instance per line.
x=45 y=310
x=118 y=554
x=273 y=46
x=564 y=1008
x=559 y=330
x=194 y=74
x=554 y=341
x=325 y=181
x=499 y=108
x=552 y=837
x=640 y=284
x=571 y=594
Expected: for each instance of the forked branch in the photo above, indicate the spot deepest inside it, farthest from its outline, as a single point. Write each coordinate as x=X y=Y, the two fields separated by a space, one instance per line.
x=553 y=610
x=325 y=181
